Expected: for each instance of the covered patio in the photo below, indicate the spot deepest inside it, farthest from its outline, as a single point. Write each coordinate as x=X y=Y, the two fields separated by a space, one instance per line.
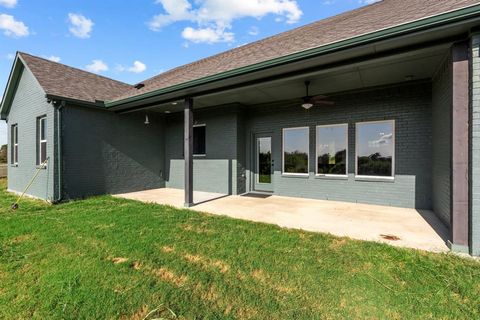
x=403 y=227
x=387 y=174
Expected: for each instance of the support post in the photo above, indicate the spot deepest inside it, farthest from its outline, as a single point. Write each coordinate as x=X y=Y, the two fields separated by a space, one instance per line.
x=188 y=151
x=460 y=149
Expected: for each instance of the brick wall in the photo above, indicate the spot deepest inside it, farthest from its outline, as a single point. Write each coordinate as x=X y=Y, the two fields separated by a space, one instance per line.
x=28 y=104
x=408 y=105
x=218 y=170
x=105 y=152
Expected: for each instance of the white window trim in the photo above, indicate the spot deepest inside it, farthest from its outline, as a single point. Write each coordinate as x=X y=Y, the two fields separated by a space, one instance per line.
x=40 y=140
x=258 y=160
x=202 y=154
x=376 y=178
x=316 y=151
x=14 y=152
x=290 y=174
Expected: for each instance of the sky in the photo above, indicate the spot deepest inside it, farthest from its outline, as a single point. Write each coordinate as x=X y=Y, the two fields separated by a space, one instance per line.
x=131 y=40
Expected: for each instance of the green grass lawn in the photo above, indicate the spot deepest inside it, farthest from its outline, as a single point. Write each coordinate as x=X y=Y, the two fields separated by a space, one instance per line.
x=109 y=258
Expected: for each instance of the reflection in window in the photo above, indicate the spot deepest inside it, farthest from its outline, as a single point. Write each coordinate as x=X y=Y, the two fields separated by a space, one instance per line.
x=199 y=137
x=14 y=144
x=332 y=149
x=375 y=148
x=264 y=160
x=295 y=150
x=41 y=140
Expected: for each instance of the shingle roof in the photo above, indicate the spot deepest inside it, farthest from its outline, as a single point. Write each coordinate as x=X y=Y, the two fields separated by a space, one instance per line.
x=381 y=15
x=64 y=81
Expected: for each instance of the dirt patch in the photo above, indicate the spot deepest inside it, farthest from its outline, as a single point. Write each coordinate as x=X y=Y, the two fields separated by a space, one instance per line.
x=168 y=249
x=247 y=313
x=207 y=263
x=119 y=260
x=390 y=237
x=136 y=265
x=263 y=278
x=193 y=258
x=208 y=294
x=221 y=265
x=22 y=238
x=140 y=314
x=169 y=276
x=259 y=275
x=337 y=244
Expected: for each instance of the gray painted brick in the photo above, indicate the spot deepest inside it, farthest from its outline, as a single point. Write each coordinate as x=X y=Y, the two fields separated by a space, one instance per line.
x=28 y=104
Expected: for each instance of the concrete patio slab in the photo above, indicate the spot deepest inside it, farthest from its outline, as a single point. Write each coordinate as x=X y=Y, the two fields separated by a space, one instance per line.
x=419 y=229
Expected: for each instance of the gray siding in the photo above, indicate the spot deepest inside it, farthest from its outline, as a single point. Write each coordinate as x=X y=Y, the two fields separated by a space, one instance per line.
x=409 y=106
x=475 y=148
x=108 y=153
x=28 y=104
x=215 y=172
x=442 y=137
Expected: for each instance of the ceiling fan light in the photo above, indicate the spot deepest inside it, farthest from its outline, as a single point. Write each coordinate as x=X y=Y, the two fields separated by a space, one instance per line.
x=307 y=105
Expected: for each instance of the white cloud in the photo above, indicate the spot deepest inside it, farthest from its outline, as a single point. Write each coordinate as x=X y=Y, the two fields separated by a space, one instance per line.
x=137 y=67
x=8 y=3
x=207 y=35
x=53 y=58
x=10 y=56
x=214 y=18
x=81 y=27
x=385 y=139
x=97 y=66
x=12 y=27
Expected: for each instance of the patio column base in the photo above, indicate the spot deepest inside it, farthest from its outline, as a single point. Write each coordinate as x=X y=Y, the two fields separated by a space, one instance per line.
x=188 y=205
x=458 y=248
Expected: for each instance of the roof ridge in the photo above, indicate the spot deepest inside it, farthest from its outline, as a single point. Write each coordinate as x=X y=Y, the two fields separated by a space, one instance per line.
x=75 y=68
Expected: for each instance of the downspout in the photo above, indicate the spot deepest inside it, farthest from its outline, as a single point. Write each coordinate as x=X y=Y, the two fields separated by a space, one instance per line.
x=59 y=159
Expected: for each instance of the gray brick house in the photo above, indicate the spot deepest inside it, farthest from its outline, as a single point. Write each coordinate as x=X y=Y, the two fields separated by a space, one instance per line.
x=391 y=117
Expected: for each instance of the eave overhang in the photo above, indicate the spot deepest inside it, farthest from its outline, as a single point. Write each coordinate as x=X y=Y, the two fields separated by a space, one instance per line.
x=371 y=43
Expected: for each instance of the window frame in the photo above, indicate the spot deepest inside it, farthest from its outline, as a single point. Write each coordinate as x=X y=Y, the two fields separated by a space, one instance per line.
x=316 y=151
x=394 y=139
x=40 y=125
x=193 y=147
x=14 y=144
x=292 y=174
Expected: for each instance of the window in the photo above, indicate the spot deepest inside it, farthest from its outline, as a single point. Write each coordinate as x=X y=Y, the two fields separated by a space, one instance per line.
x=41 y=140
x=375 y=149
x=14 y=144
x=295 y=151
x=199 y=136
x=332 y=146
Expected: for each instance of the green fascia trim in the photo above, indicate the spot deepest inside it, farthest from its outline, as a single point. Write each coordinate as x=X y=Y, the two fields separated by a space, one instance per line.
x=356 y=41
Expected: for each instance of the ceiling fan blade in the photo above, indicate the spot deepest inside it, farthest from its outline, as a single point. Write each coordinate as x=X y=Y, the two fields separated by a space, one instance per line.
x=319 y=97
x=325 y=102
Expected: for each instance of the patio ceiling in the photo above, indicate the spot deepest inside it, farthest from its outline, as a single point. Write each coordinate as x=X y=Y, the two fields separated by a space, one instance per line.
x=414 y=65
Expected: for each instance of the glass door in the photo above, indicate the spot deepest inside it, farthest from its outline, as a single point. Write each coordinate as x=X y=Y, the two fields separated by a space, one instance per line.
x=263 y=163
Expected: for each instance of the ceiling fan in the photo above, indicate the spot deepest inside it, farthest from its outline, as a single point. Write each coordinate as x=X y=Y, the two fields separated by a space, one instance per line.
x=310 y=101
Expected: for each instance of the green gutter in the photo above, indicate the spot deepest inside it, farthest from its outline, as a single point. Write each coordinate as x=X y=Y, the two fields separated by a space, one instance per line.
x=418 y=25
